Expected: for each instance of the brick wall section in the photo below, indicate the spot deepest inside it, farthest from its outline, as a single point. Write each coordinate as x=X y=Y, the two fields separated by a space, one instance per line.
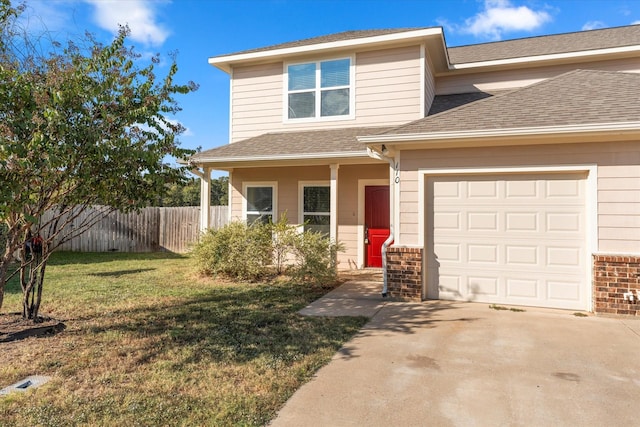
x=613 y=275
x=404 y=273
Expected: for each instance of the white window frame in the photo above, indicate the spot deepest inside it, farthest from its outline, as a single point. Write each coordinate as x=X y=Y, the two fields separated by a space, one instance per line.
x=274 y=194
x=301 y=212
x=318 y=92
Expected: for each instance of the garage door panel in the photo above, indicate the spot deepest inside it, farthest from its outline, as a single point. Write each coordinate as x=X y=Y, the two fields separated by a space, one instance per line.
x=564 y=291
x=522 y=189
x=522 y=288
x=563 y=222
x=482 y=253
x=522 y=222
x=447 y=221
x=482 y=190
x=508 y=239
x=482 y=221
x=564 y=189
x=527 y=255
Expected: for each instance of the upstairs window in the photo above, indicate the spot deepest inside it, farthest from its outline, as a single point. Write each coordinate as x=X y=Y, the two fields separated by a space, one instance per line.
x=319 y=89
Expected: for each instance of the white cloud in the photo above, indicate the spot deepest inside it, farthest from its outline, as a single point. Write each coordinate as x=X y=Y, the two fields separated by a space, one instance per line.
x=635 y=23
x=500 y=16
x=139 y=15
x=593 y=25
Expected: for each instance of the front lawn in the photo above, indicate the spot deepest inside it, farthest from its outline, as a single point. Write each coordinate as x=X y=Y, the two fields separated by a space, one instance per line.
x=150 y=343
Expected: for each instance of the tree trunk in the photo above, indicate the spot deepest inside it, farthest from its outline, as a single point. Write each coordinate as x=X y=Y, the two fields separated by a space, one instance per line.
x=32 y=280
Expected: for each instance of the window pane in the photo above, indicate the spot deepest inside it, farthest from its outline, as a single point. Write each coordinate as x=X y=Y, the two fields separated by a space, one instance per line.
x=302 y=76
x=316 y=199
x=335 y=102
x=302 y=105
x=319 y=223
x=334 y=73
x=263 y=218
x=260 y=199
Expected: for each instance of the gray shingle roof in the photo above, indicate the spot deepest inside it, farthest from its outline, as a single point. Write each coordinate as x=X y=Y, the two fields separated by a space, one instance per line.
x=546 y=45
x=518 y=48
x=345 y=35
x=443 y=103
x=307 y=143
x=574 y=98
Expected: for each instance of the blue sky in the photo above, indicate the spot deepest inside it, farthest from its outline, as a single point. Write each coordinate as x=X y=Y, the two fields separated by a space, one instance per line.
x=198 y=29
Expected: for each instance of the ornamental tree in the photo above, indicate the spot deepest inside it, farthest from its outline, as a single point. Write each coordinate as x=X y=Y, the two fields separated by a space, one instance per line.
x=82 y=125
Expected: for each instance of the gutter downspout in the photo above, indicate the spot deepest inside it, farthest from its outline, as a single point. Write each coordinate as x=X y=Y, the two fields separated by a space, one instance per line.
x=382 y=155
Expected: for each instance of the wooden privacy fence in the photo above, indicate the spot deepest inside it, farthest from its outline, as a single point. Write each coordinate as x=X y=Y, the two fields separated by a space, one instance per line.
x=152 y=230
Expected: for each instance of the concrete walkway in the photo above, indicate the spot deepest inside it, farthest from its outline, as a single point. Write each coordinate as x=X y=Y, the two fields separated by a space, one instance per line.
x=463 y=364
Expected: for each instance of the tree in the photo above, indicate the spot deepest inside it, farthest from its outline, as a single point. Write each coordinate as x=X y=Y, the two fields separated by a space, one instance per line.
x=80 y=126
x=188 y=193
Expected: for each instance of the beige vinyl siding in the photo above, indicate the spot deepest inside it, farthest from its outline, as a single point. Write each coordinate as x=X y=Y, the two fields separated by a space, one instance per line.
x=429 y=84
x=388 y=86
x=256 y=99
x=287 y=179
x=619 y=208
x=511 y=79
x=618 y=182
x=387 y=89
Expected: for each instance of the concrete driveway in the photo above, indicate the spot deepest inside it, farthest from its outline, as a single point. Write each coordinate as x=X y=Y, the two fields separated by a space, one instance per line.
x=463 y=364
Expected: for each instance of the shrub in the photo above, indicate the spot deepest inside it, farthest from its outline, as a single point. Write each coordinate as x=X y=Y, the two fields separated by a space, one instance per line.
x=315 y=258
x=284 y=236
x=238 y=250
x=247 y=252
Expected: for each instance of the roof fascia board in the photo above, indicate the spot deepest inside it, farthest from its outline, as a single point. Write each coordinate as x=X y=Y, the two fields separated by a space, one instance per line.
x=226 y=164
x=285 y=157
x=496 y=133
x=224 y=62
x=539 y=58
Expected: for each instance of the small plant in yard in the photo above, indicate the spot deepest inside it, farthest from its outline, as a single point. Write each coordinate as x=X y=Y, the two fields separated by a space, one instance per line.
x=579 y=314
x=500 y=307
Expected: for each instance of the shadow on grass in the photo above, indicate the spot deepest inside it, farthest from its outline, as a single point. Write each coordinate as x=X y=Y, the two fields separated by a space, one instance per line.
x=237 y=324
x=65 y=257
x=121 y=272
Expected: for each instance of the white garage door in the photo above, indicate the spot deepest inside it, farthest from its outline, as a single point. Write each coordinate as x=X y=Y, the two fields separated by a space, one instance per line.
x=508 y=239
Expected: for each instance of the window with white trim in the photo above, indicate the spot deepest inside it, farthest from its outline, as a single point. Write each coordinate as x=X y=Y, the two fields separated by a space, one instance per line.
x=316 y=207
x=259 y=202
x=321 y=89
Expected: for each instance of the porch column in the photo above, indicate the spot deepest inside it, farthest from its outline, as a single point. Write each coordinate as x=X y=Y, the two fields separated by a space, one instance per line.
x=205 y=198
x=333 y=221
x=230 y=196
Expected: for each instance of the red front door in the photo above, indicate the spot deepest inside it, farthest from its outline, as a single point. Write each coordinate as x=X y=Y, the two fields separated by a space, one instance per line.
x=376 y=222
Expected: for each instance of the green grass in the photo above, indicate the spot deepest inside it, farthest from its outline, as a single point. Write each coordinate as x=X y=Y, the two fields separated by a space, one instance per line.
x=150 y=343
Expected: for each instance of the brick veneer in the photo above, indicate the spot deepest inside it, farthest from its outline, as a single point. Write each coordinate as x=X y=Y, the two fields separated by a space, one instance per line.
x=613 y=275
x=404 y=273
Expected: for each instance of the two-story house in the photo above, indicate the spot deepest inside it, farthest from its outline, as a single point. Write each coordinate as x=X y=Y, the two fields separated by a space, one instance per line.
x=505 y=172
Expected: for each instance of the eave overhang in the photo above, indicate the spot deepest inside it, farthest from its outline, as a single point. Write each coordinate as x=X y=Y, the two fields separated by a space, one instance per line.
x=542 y=60
x=434 y=37
x=627 y=131
x=228 y=163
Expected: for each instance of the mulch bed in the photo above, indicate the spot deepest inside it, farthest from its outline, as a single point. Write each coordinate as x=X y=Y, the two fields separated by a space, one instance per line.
x=13 y=327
